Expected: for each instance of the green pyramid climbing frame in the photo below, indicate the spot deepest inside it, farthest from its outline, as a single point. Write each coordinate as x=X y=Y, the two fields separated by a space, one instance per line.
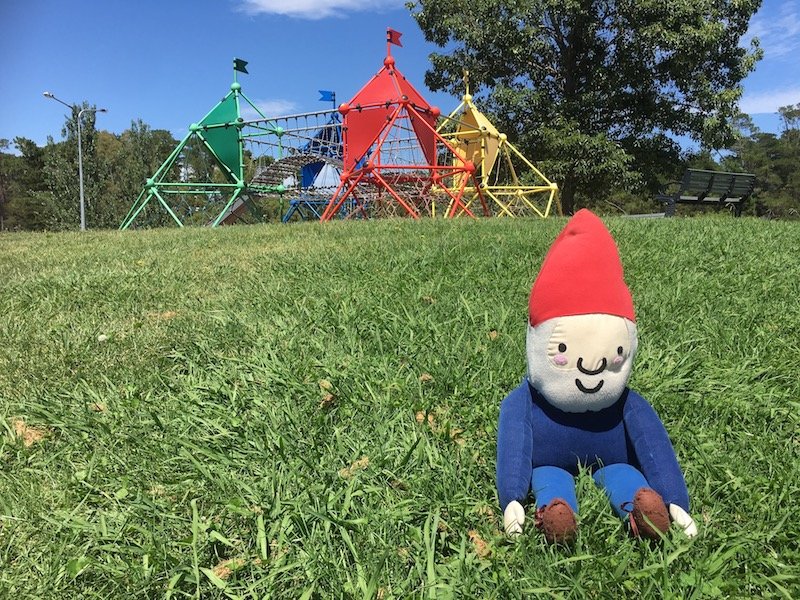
x=219 y=135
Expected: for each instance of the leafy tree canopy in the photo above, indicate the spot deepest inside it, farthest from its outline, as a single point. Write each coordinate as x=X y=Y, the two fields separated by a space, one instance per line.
x=39 y=188
x=600 y=89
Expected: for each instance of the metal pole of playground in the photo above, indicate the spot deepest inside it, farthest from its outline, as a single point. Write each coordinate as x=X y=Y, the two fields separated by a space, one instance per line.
x=80 y=150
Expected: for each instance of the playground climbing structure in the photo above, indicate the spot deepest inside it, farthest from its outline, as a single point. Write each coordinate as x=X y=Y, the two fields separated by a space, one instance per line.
x=385 y=153
x=229 y=168
x=511 y=183
x=395 y=163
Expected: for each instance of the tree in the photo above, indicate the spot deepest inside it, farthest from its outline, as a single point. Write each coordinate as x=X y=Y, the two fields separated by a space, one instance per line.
x=790 y=116
x=143 y=151
x=791 y=139
x=39 y=189
x=61 y=171
x=127 y=160
x=599 y=89
x=22 y=185
x=775 y=161
x=115 y=168
x=5 y=181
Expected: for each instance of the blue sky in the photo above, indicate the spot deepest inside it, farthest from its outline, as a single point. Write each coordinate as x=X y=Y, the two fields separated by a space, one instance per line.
x=169 y=61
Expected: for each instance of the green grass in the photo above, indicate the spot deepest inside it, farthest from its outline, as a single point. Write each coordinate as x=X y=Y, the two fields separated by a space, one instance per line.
x=247 y=372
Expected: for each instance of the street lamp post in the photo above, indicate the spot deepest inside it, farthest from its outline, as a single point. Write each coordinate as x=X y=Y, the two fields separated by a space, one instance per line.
x=80 y=150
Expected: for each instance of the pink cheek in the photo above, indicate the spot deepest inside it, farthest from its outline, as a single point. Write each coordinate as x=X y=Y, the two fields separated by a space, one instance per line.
x=617 y=360
x=560 y=360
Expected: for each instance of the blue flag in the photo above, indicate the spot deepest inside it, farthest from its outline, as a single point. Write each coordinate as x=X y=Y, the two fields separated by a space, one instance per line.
x=327 y=96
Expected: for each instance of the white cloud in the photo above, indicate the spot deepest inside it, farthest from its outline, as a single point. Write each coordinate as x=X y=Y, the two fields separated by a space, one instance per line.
x=270 y=108
x=768 y=101
x=778 y=31
x=316 y=9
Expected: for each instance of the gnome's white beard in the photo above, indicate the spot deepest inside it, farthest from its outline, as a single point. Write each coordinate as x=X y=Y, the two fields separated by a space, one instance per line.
x=595 y=340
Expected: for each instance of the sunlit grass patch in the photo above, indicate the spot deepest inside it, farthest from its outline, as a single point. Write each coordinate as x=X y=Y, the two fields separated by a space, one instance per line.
x=278 y=411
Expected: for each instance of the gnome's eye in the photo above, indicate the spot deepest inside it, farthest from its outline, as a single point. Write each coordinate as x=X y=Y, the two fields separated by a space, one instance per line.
x=562 y=347
x=619 y=350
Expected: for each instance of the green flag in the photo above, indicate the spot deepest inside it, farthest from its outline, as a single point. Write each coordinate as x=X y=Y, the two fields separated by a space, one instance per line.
x=239 y=65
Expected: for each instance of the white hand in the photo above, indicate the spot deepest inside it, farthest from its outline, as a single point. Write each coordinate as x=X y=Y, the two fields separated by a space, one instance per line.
x=683 y=520
x=513 y=518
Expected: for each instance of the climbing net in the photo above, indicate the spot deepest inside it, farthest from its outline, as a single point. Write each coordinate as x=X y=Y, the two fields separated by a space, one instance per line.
x=282 y=146
x=297 y=160
x=404 y=179
x=396 y=177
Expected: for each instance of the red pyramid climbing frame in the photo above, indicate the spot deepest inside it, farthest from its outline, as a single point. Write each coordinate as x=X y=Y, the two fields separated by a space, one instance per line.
x=395 y=162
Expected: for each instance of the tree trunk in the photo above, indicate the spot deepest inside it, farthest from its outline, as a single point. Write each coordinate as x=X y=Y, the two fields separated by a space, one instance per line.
x=567 y=191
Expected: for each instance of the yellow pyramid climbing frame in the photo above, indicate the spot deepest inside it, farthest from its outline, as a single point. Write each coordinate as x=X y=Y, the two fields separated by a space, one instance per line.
x=515 y=189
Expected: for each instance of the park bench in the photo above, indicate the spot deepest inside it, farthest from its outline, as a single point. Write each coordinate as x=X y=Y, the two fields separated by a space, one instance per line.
x=709 y=188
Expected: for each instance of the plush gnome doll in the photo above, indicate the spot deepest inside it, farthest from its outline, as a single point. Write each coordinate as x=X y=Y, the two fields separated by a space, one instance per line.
x=575 y=409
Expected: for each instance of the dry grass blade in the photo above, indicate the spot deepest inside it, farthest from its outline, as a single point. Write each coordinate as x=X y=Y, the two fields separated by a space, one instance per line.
x=28 y=434
x=479 y=545
x=359 y=465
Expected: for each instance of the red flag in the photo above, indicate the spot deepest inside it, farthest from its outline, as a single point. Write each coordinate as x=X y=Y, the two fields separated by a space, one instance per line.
x=393 y=37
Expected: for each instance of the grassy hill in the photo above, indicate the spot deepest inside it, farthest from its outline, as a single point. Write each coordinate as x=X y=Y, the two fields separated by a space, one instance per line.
x=311 y=410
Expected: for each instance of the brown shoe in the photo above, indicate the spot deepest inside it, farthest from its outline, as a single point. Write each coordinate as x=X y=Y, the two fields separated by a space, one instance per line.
x=557 y=522
x=649 y=517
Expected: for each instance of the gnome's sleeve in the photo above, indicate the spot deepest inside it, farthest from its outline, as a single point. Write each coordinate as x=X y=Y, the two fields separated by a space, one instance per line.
x=515 y=447
x=654 y=451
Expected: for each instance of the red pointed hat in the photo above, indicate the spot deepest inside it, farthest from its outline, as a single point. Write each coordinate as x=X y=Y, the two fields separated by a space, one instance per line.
x=581 y=274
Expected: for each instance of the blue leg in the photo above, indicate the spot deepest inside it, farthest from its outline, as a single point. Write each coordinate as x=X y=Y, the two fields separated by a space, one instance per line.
x=620 y=482
x=548 y=483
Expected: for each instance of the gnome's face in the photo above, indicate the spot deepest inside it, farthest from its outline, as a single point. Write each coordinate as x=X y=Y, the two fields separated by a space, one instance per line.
x=581 y=332
x=581 y=363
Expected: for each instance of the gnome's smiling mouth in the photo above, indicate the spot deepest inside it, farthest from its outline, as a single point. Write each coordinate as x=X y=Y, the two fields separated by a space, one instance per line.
x=586 y=390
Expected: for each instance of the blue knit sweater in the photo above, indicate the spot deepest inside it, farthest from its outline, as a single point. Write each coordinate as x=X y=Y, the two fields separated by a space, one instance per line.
x=533 y=433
